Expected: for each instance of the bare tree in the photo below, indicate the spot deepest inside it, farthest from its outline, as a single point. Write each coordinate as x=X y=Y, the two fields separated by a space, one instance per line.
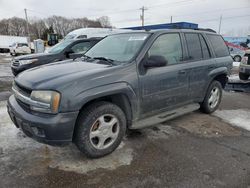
x=37 y=28
x=4 y=27
x=104 y=21
x=17 y=26
x=40 y=27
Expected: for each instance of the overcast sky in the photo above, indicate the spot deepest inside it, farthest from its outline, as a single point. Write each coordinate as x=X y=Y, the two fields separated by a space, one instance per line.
x=125 y=13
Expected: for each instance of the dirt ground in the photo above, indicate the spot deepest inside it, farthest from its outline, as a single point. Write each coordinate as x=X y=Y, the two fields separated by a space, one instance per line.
x=195 y=150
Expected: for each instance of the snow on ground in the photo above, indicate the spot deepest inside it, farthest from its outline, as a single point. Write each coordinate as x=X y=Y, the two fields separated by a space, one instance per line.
x=239 y=118
x=16 y=147
x=236 y=64
x=234 y=77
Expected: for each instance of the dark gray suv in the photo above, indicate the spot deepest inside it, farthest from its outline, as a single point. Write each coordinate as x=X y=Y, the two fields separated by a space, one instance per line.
x=126 y=81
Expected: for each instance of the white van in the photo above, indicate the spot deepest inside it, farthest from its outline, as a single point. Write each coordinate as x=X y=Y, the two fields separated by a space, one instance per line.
x=93 y=32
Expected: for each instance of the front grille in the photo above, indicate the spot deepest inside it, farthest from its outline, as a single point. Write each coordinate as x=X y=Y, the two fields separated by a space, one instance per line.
x=24 y=106
x=25 y=91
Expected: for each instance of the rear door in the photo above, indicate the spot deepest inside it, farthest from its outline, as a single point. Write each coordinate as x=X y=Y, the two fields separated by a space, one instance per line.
x=165 y=87
x=199 y=61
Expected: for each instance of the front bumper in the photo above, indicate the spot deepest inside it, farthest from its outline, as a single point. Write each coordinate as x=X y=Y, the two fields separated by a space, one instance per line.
x=50 y=129
x=244 y=69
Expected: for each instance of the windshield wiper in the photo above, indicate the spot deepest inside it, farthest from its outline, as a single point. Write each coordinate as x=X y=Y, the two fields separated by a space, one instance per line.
x=85 y=57
x=110 y=61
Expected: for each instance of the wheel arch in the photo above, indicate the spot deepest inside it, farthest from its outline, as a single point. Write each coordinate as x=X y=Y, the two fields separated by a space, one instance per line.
x=120 y=94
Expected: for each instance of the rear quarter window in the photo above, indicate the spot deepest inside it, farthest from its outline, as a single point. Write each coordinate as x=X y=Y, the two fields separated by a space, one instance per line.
x=218 y=45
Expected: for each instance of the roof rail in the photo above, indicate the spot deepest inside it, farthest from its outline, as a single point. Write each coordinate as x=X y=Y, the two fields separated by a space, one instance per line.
x=206 y=29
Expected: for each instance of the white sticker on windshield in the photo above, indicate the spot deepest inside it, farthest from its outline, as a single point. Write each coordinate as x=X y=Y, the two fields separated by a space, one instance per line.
x=137 y=38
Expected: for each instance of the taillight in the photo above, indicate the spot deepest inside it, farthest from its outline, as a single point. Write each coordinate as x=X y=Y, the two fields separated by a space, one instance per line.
x=244 y=60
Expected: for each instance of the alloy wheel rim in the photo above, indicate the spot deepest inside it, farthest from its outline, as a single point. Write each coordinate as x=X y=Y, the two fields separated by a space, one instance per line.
x=104 y=131
x=214 y=97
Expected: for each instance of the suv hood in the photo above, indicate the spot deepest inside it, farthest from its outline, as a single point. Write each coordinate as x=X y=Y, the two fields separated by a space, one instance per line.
x=50 y=75
x=33 y=56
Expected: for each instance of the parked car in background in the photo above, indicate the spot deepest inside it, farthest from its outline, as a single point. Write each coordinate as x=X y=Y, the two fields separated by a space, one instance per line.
x=19 y=49
x=6 y=41
x=61 y=51
x=126 y=81
x=92 y=32
x=244 y=70
x=236 y=54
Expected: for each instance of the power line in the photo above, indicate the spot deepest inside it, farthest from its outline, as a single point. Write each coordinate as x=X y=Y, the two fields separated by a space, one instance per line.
x=125 y=10
x=213 y=11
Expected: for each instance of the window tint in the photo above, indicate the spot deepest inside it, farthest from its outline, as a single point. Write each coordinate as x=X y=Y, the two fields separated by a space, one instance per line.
x=219 y=45
x=205 y=50
x=81 y=47
x=82 y=37
x=194 y=46
x=22 y=44
x=168 y=46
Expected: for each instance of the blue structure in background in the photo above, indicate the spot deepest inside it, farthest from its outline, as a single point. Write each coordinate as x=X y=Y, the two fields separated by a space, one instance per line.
x=177 y=25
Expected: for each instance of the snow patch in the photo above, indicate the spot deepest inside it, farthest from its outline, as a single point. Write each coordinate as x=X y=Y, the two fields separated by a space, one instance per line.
x=239 y=117
x=19 y=150
x=236 y=64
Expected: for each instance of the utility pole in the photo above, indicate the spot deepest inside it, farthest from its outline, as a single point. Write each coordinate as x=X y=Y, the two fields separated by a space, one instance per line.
x=220 y=24
x=171 y=19
x=27 y=24
x=142 y=15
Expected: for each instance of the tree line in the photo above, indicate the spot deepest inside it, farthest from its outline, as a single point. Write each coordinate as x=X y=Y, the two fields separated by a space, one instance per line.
x=39 y=28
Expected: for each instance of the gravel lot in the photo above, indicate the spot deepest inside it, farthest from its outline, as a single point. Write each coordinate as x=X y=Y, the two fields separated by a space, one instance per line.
x=195 y=150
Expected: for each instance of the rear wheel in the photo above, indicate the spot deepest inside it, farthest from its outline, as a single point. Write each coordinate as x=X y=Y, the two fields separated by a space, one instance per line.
x=213 y=98
x=237 y=58
x=243 y=76
x=100 y=129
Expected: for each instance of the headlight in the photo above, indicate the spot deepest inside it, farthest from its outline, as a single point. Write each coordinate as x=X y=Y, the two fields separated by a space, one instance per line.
x=28 y=61
x=47 y=101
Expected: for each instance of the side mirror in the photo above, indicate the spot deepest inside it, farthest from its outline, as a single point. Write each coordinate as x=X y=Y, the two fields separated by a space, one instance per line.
x=68 y=52
x=75 y=55
x=155 y=61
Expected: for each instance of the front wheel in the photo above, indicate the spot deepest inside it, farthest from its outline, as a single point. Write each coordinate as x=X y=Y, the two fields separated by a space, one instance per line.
x=100 y=129
x=213 y=98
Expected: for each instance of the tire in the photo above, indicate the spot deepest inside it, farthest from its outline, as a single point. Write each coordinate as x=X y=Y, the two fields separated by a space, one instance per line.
x=210 y=104
x=237 y=58
x=243 y=76
x=95 y=129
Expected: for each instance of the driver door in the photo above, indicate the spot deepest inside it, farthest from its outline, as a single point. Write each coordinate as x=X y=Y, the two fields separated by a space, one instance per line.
x=165 y=87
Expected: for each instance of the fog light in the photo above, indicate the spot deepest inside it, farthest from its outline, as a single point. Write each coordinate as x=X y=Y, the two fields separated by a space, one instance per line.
x=38 y=131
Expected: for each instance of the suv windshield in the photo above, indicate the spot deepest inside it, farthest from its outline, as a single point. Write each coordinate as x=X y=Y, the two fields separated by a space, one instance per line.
x=120 y=47
x=59 y=47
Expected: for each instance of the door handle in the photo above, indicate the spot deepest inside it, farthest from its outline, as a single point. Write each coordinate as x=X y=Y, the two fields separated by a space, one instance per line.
x=182 y=72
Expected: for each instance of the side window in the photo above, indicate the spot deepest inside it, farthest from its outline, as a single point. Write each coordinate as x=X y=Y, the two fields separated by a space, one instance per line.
x=168 y=46
x=22 y=44
x=81 y=47
x=194 y=46
x=219 y=45
x=205 y=50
